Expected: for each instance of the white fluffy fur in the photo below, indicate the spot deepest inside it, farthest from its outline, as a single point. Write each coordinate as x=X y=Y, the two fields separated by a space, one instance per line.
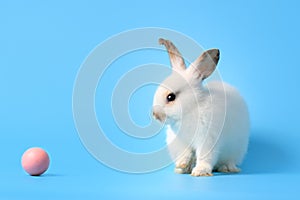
x=208 y=126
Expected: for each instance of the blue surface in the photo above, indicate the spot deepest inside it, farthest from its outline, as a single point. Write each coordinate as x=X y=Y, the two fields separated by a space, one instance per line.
x=42 y=45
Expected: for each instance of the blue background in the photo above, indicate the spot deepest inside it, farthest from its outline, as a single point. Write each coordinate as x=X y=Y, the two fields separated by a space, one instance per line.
x=42 y=45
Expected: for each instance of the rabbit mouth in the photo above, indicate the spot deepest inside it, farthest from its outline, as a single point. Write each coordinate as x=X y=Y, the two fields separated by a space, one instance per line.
x=158 y=113
x=163 y=118
x=160 y=116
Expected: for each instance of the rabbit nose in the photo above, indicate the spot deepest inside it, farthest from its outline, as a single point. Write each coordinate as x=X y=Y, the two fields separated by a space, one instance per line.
x=158 y=113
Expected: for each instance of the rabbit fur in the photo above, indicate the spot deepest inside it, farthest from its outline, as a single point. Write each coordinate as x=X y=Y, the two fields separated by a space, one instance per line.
x=207 y=125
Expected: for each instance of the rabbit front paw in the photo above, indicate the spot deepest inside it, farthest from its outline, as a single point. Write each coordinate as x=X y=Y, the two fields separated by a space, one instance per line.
x=202 y=171
x=183 y=167
x=185 y=164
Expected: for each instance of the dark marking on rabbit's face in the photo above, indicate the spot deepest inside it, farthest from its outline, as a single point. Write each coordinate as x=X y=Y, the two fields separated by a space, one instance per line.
x=159 y=114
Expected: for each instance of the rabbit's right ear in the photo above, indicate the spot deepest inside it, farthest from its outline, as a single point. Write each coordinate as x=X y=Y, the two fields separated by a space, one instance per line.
x=205 y=64
x=176 y=59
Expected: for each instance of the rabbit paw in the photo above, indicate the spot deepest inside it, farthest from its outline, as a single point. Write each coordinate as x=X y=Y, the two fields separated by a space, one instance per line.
x=228 y=168
x=202 y=171
x=183 y=167
x=184 y=163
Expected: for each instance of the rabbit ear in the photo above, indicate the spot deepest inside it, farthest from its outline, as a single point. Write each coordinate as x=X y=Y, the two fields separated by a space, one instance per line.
x=176 y=59
x=205 y=64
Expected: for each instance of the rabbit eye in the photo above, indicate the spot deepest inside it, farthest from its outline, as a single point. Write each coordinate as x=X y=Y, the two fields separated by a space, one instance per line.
x=171 y=97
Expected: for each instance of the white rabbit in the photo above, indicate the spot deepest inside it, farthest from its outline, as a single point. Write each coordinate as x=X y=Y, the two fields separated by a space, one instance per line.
x=208 y=126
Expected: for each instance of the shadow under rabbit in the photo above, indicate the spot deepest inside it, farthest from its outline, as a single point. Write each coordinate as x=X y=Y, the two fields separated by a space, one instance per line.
x=267 y=154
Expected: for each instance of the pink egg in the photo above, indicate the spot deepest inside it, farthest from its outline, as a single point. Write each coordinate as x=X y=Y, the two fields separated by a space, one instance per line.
x=35 y=161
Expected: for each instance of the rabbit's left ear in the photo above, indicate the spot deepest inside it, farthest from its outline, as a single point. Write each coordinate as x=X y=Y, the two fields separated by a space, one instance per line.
x=205 y=64
x=176 y=59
